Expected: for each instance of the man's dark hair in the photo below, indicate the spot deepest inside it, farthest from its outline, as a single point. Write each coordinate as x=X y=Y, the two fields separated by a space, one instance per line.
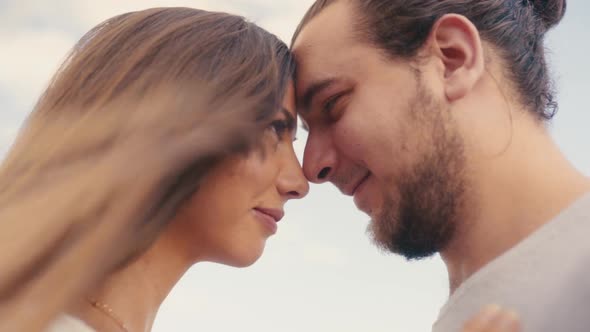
x=515 y=28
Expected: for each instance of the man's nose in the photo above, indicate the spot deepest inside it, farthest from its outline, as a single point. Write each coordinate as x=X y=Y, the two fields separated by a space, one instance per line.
x=319 y=159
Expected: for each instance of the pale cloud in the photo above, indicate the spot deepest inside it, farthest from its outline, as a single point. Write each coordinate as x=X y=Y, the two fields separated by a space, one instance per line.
x=36 y=39
x=320 y=273
x=94 y=12
x=7 y=135
x=324 y=255
x=28 y=60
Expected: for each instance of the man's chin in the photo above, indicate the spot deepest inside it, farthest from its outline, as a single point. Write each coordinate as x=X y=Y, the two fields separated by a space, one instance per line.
x=365 y=207
x=387 y=239
x=380 y=234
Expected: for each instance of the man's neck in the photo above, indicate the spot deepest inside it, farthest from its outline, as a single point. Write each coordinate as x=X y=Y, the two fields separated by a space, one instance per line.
x=513 y=195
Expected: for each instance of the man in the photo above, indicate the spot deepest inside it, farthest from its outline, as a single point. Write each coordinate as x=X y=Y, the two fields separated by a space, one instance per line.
x=431 y=114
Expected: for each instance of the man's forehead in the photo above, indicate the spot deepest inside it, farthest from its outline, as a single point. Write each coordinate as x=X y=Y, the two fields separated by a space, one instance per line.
x=326 y=33
x=324 y=48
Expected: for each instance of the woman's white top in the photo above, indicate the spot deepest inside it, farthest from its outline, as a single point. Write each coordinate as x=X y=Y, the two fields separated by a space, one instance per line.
x=67 y=323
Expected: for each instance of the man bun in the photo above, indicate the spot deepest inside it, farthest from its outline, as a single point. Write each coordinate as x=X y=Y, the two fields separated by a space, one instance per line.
x=549 y=11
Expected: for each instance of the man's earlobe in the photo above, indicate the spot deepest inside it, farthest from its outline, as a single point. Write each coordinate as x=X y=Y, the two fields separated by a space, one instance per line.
x=457 y=42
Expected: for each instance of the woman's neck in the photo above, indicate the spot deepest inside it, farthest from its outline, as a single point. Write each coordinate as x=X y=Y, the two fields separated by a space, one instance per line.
x=133 y=295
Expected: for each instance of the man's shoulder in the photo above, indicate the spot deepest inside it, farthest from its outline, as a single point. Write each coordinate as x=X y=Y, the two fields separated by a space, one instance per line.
x=549 y=292
x=546 y=269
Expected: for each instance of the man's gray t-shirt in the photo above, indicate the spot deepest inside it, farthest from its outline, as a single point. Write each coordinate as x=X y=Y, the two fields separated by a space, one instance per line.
x=545 y=278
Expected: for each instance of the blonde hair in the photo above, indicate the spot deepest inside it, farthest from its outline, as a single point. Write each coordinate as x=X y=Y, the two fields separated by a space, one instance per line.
x=176 y=89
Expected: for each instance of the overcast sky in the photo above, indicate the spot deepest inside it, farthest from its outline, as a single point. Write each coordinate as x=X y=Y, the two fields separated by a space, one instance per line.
x=320 y=272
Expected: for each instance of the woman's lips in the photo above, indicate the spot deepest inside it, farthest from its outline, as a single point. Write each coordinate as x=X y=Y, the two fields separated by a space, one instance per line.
x=269 y=218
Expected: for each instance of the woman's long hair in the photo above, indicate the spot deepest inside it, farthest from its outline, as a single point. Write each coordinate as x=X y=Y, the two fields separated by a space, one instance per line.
x=167 y=91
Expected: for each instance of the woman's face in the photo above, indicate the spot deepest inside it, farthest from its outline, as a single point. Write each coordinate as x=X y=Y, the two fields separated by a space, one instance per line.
x=240 y=202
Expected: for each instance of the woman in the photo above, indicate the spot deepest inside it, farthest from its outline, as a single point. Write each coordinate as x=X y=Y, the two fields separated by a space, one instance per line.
x=164 y=140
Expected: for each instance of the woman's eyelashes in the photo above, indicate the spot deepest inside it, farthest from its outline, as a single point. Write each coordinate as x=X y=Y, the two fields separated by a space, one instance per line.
x=279 y=127
x=282 y=128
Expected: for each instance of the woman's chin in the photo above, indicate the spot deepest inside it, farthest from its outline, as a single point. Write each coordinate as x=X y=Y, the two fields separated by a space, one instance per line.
x=242 y=258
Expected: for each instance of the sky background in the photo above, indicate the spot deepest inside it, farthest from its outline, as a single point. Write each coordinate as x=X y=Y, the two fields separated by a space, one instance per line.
x=320 y=272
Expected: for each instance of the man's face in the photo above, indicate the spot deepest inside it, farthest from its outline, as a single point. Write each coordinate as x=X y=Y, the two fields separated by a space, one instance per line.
x=379 y=131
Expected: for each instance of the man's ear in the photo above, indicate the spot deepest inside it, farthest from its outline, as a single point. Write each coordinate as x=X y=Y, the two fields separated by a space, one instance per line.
x=457 y=44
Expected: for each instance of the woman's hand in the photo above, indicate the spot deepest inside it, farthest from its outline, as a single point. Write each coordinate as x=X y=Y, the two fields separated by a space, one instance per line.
x=493 y=319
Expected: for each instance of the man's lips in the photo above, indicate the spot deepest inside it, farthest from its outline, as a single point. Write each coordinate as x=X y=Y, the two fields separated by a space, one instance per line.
x=351 y=190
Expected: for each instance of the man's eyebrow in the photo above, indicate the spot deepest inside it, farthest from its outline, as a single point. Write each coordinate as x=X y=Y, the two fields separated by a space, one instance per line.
x=313 y=90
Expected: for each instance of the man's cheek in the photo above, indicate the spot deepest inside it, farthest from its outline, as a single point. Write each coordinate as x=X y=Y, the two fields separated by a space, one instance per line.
x=351 y=142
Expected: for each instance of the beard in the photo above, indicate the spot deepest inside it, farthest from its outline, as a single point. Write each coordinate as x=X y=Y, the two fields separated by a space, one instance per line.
x=423 y=219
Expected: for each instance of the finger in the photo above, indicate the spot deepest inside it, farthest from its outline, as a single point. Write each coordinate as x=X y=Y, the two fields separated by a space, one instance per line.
x=482 y=320
x=493 y=318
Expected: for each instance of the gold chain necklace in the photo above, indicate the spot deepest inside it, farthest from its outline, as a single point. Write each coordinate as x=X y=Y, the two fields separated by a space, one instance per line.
x=108 y=311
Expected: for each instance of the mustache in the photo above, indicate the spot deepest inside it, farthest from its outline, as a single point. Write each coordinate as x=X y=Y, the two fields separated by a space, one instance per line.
x=343 y=178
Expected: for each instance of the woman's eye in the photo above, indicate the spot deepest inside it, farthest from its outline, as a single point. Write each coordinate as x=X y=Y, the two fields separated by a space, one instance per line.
x=279 y=127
